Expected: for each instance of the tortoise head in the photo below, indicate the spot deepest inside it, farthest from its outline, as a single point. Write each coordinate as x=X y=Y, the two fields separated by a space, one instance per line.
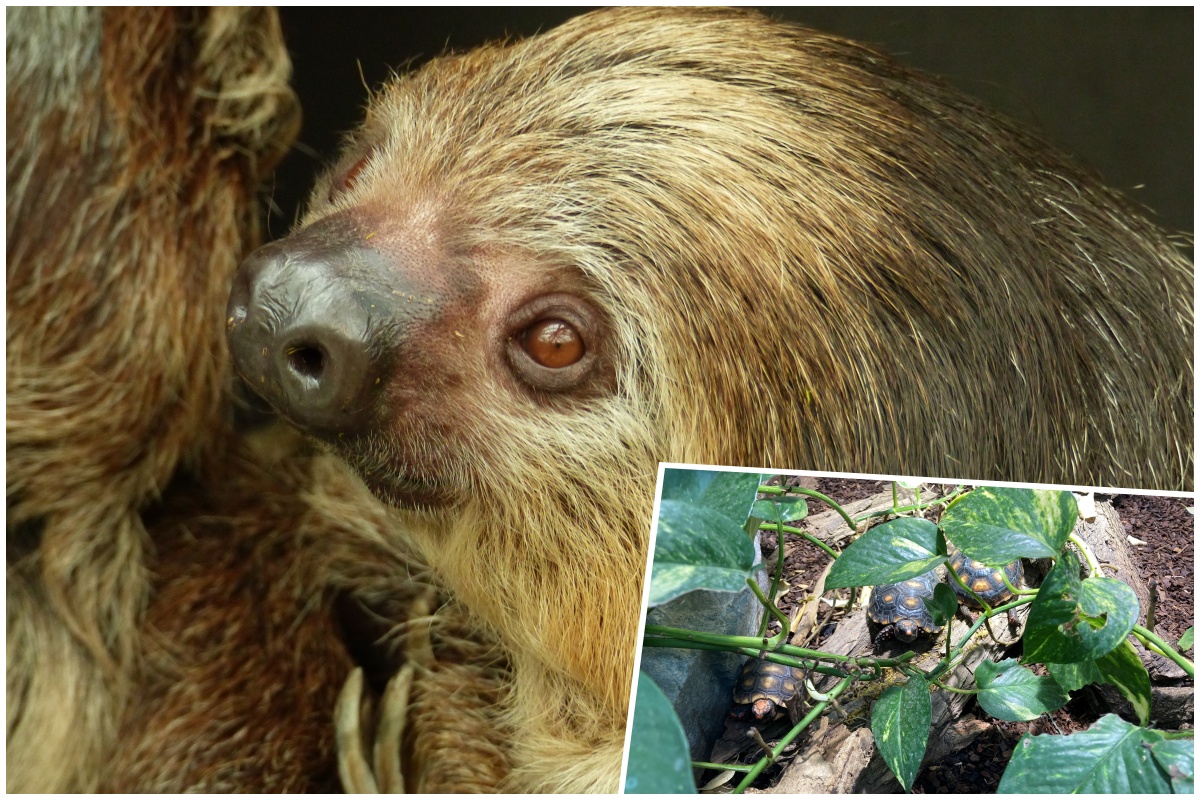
x=764 y=709
x=907 y=629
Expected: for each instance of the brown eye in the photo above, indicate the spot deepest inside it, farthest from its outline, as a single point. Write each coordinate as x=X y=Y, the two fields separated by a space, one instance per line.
x=552 y=343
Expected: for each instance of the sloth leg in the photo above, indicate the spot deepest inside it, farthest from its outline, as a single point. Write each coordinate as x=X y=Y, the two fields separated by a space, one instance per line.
x=439 y=723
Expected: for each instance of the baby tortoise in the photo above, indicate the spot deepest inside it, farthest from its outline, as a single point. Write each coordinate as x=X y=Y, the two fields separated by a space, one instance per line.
x=986 y=582
x=900 y=607
x=764 y=690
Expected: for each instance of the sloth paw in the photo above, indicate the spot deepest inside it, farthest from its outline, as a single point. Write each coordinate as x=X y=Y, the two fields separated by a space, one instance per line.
x=358 y=776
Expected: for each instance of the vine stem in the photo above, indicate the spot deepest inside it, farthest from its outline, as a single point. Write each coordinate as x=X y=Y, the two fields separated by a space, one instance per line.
x=816 y=711
x=657 y=633
x=784 y=622
x=918 y=507
x=1157 y=643
x=752 y=652
x=949 y=662
x=775 y=526
x=1093 y=564
x=711 y=765
x=954 y=689
x=762 y=631
x=811 y=493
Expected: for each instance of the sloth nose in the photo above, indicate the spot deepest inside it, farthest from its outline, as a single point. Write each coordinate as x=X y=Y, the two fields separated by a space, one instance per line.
x=308 y=337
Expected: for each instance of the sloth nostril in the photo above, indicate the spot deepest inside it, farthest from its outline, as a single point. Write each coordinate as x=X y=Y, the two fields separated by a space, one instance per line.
x=307 y=361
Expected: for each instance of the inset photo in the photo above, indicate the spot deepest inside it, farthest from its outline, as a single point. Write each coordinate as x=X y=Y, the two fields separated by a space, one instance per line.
x=813 y=633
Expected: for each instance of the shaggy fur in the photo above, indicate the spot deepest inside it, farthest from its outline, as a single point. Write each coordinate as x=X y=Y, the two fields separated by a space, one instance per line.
x=244 y=652
x=177 y=591
x=135 y=142
x=804 y=255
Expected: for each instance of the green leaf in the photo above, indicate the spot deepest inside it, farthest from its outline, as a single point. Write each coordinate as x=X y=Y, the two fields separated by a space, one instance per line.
x=697 y=548
x=1111 y=757
x=997 y=525
x=1185 y=641
x=894 y=551
x=731 y=493
x=1072 y=620
x=1177 y=757
x=1011 y=692
x=944 y=604
x=900 y=723
x=791 y=509
x=686 y=484
x=1122 y=668
x=659 y=761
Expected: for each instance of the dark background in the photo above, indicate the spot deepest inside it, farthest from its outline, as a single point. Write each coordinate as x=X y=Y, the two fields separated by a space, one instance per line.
x=1112 y=86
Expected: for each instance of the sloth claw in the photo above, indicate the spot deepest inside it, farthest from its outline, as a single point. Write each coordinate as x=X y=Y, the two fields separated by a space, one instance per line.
x=393 y=713
x=356 y=773
x=353 y=769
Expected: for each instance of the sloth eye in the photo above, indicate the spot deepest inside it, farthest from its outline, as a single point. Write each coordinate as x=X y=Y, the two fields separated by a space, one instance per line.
x=552 y=343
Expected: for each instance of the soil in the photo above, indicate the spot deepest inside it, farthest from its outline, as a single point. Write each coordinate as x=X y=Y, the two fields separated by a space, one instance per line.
x=1167 y=558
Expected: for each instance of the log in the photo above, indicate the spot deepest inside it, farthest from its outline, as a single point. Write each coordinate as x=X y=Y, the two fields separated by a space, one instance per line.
x=1105 y=536
x=1171 y=704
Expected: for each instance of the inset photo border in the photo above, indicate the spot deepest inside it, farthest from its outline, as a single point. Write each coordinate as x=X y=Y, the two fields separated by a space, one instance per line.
x=814 y=633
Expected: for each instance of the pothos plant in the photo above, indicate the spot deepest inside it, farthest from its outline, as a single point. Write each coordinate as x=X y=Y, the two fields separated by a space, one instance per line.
x=1080 y=626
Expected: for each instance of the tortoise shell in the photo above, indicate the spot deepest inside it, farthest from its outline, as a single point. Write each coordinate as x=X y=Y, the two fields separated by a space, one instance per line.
x=764 y=689
x=900 y=607
x=985 y=581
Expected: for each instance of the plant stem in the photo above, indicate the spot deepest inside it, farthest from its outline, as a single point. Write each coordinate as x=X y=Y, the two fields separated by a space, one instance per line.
x=811 y=493
x=1149 y=638
x=958 y=579
x=905 y=509
x=730 y=767
x=773 y=526
x=816 y=711
x=1093 y=564
x=954 y=689
x=1188 y=734
x=656 y=635
x=784 y=624
x=752 y=652
x=762 y=631
x=948 y=662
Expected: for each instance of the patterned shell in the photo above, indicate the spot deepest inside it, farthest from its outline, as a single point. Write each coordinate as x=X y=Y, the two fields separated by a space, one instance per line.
x=764 y=688
x=900 y=607
x=985 y=581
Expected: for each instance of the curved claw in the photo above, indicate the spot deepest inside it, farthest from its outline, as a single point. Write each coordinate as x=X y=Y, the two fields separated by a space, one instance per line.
x=392 y=716
x=352 y=763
